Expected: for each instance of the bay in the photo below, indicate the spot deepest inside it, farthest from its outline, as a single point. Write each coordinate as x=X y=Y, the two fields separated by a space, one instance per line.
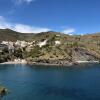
x=25 y=82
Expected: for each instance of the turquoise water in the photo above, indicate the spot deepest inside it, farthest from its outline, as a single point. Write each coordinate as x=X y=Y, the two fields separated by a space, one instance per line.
x=51 y=83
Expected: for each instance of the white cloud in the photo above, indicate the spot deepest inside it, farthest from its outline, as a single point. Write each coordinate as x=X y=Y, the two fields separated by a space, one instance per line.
x=69 y=31
x=3 y=23
x=18 y=2
x=21 y=27
x=29 y=29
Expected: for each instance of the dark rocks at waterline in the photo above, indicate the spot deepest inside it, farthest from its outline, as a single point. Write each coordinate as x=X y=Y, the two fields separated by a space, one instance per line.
x=52 y=62
x=61 y=62
x=3 y=92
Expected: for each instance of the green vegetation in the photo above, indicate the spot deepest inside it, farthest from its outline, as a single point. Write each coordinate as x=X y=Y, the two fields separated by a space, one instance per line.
x=9 y=35
x=35 y=52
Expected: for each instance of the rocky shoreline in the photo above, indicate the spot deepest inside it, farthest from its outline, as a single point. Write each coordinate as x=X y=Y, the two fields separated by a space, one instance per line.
x=3 y=92
x=57 y=62
x=60 y=62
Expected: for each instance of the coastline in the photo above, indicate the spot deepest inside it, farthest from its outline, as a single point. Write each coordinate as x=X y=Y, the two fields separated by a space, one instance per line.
x=50 y=64
x=87 y=61
x=15 y=62
x=68 y=64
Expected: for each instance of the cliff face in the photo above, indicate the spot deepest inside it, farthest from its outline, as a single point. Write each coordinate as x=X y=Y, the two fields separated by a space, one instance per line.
x=84 y=55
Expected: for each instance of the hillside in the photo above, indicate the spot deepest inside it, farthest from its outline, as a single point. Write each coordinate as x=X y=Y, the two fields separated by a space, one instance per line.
x=10 y=35
x=59 y=48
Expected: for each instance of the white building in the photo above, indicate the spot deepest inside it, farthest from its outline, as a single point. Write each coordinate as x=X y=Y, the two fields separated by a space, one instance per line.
x=21 y=43
x=40 y=44
x=57 y=42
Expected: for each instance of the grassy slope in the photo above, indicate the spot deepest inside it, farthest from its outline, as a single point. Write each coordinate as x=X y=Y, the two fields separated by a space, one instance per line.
x=7 y=34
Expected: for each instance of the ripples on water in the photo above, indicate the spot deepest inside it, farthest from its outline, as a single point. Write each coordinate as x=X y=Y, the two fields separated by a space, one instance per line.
x=79 y=82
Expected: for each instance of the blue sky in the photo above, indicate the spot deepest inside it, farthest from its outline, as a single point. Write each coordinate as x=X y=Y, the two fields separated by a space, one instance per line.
x=68 y=16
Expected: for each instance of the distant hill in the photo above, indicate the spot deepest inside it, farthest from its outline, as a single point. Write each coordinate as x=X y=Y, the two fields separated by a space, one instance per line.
x=10 y=35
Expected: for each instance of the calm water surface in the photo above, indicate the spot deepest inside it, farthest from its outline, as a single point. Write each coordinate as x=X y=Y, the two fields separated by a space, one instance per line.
x=40 y=83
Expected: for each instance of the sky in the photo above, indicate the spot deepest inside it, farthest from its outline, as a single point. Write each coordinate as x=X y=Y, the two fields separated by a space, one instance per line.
x=66 y=16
